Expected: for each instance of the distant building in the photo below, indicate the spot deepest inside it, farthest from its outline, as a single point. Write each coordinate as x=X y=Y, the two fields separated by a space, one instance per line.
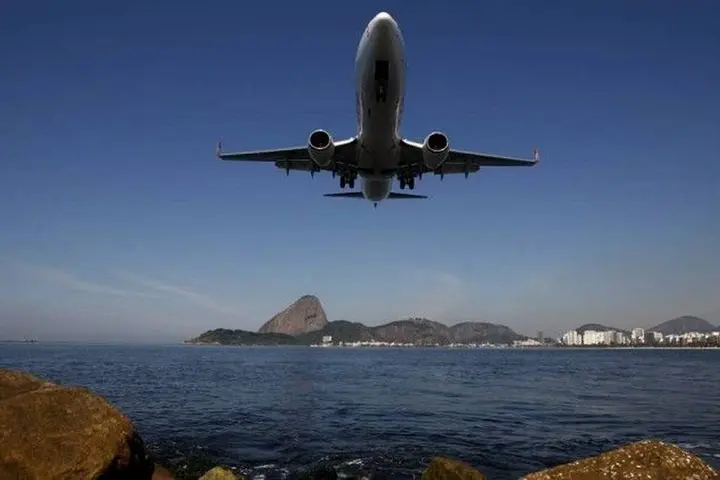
x=327 y=339
x=540 y=336
x=638 y=335
x=571 y=337
x=593 y=337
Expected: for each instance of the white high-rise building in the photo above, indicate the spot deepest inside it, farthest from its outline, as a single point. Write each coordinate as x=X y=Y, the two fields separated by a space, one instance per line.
x=593 y=337
x=572 y=337
x=638 y=335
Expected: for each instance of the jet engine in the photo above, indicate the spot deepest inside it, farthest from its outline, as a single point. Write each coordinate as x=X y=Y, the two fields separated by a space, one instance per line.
x=321 y=147
x=435 y=150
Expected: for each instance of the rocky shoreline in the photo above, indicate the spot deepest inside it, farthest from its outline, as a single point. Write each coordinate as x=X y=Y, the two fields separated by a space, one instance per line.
x=49 y=431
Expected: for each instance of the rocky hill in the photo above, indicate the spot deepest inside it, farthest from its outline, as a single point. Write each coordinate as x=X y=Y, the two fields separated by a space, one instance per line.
x=685 y=324
x=304 y=323
x=417 y=331
x=302 y=316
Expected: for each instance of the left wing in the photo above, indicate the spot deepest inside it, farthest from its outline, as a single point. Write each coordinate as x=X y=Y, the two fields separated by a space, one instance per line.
x=459 y=161
x=296 y=158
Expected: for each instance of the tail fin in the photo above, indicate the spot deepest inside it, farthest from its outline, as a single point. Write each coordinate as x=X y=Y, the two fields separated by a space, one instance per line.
x=392 y=196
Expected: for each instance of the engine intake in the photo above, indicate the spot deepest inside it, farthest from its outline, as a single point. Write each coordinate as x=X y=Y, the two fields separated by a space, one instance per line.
x=435 y=150
x=321 y=147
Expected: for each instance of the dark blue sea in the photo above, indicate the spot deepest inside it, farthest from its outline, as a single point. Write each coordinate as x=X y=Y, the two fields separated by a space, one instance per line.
x=384 y=413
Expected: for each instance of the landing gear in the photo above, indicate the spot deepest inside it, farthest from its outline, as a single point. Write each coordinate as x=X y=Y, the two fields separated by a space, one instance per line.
x=407 y=181
x=348 y=180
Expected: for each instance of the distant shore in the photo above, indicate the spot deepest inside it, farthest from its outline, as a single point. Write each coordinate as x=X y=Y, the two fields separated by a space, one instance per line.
x=468 y=347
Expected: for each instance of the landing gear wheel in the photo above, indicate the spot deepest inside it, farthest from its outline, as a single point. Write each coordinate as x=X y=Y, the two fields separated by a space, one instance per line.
x=352 y=182
x=342 y=182
x=411 y=183
x=402 y=184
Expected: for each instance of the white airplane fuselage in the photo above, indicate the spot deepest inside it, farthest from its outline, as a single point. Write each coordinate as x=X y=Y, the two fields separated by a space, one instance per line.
x=380 y=95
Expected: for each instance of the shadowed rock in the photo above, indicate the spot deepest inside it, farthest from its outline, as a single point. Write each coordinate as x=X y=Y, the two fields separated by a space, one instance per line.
x=220 y=473
x=648 y=459
x=443 y=468
x=51 y=432
x=303 y=316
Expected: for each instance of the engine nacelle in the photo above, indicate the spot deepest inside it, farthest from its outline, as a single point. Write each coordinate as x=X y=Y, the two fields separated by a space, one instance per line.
x=321 y=147
x=435 y=150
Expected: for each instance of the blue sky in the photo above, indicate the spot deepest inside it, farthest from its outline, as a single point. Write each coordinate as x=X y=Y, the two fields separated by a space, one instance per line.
x=117 y=222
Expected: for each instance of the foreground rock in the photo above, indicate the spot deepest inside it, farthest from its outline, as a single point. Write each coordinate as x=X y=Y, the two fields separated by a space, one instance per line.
x=647 y=459
x=220 y=473
x=442 y=468
x=51 y=432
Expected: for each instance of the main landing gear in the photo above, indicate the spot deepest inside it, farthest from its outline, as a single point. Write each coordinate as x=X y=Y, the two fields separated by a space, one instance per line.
x=407 y=181
x=348 y=180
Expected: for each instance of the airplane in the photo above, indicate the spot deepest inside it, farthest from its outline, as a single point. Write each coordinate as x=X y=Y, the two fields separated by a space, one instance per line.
x=377 y=153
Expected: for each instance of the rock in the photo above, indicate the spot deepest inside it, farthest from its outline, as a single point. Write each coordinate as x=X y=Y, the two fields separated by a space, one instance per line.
x=303 y=316
x=162 y=473
x=220 y=473
x=649 y=459
x=443 y=468
x=51 y=432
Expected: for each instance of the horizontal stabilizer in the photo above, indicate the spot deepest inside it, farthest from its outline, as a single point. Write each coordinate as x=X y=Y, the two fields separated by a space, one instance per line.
x=392 y=196
x=398 y=196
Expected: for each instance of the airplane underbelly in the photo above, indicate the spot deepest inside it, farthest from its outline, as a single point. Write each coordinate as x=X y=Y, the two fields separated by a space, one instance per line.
x=378 y=159
x=376 y=190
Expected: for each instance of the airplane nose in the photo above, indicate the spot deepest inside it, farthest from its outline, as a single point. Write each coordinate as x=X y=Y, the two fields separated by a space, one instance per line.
x=383 y=17
x=384 y=26
x=384 y=21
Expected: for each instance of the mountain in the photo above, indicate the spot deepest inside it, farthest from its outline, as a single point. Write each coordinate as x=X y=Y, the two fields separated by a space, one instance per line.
x=304 y=323
x=417 y=331
x=685 y=324
x=302 y=316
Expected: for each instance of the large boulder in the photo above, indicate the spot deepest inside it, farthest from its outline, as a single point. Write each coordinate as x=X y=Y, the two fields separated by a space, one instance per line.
x=51 y=432
x=443 y=468
x=305 y=315
x=650 y=459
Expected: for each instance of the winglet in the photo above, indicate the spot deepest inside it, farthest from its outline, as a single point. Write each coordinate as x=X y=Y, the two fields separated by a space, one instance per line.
x=536 y=155
x=218 y=149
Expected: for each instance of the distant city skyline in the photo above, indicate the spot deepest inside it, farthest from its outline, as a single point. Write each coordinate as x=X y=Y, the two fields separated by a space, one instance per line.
x=117 y=222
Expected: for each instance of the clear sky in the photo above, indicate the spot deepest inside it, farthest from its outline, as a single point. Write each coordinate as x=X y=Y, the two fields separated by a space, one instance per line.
x=118 y=223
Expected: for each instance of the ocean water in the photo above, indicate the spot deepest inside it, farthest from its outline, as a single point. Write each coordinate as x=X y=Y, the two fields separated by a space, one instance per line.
x=384 y=413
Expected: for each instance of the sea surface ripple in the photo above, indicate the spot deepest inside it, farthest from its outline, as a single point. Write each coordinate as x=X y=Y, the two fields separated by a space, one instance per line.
x=384 y=413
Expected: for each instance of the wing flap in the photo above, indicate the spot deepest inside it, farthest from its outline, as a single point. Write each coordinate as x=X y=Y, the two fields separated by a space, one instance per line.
x=460 y=161
x=296 y=158
x=489 y=160
x=292 y=153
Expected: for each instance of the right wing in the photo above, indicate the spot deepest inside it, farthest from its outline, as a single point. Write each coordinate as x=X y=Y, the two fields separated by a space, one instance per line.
x=459 y=161
x=297 y=158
